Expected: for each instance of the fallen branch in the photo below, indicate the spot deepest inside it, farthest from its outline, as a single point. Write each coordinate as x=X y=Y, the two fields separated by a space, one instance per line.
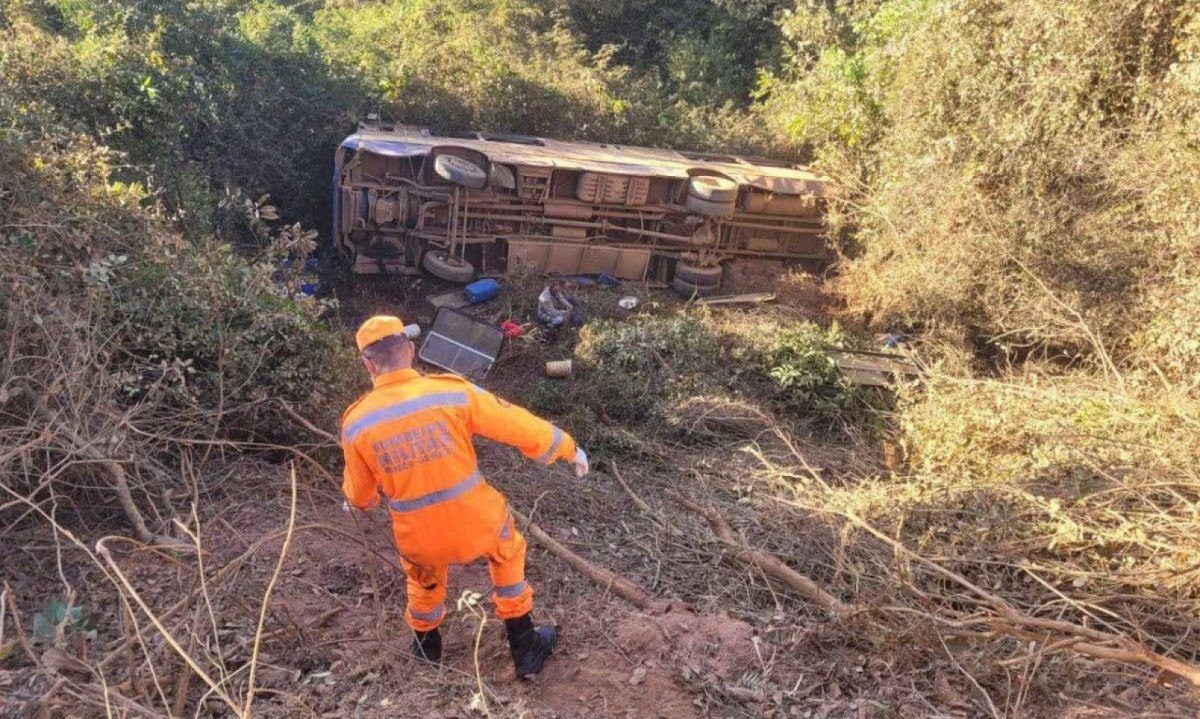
x=769 y=564
x=214 y=687
x=604 y=578
x=305 y=423
x=751 y=298
x=641 y=503
x=114 y=470
x=266 y=600
x=1012 y=622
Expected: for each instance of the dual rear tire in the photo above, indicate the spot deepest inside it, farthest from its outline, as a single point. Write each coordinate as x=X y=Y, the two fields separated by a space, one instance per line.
x=693 y=281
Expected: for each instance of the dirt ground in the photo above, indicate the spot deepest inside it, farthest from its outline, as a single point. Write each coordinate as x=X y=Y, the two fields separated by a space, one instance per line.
x=731 y=644
x=335 y=643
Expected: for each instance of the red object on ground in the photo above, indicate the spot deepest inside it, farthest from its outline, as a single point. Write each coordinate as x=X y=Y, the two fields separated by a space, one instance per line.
x=512 y=329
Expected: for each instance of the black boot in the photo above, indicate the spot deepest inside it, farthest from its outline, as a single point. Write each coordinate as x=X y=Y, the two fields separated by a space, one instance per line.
x=530 y=647
x=428 y=646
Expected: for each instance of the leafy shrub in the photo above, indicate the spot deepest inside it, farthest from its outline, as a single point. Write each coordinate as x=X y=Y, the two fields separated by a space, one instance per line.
x=797 y=358
x=198 y=95
x=1026 y=173
x=655 y=369
x=184 y=326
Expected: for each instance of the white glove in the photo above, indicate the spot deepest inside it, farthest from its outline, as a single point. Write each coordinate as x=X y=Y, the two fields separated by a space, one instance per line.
x=581 y=462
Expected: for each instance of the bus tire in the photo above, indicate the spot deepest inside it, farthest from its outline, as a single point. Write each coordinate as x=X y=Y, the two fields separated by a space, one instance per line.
x=450 y=269
x=460 y=171
x=708 y=208
x=697 y=275
x=714 y=189
x=689 y=290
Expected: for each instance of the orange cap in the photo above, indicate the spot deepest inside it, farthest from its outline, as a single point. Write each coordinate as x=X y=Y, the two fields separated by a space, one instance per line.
x=377 y=328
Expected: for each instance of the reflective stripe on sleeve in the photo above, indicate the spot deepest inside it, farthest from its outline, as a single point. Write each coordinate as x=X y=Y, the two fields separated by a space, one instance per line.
x=511 y=591
x=442 y=495
x=403 y=409
x=548 y=457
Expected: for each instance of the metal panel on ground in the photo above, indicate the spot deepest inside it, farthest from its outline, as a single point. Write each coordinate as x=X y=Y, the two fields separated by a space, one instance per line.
x=461 y=344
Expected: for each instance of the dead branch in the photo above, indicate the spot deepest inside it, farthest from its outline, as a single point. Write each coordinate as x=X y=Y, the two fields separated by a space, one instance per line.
x=641 y=503
x=769 y=564
x=604 y=578
x=266 y=600
x=214 y=687
x=305 y=423
x=1014 y=623
x=116 y=473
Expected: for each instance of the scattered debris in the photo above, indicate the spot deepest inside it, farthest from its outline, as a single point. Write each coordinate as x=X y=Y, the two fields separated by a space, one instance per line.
x=628 y=302
x=750 y=298
x=511 y=329
x=462 y=344
x=874 y=369
x=559 y=368
x=453 y=299
x=639 y=676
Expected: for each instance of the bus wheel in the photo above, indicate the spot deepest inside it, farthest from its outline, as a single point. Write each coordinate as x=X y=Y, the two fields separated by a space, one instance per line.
x=687 y=289
x=450 y=269
x=708 y=208
x=697 y=275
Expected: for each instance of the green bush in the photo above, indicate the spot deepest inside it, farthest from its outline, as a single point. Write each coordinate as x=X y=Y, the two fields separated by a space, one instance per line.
x=649 y=371
x=184 y=328
x=1027 y=178
x=809 y=381
x=198 y=95
x=633 y=367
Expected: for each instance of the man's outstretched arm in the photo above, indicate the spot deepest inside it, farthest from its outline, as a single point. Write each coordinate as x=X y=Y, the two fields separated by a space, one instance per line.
x=516 y=426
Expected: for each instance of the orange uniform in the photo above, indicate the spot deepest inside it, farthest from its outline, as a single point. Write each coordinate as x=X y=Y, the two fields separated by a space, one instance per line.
x=409 y=439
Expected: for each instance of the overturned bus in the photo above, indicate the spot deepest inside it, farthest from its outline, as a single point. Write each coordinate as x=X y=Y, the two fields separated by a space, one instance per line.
x=406 y=201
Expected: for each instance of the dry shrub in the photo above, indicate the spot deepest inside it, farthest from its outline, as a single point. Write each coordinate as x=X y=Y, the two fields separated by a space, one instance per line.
x=123 y=343
x=1029 y=178
x=1051 y=482
x=717 y=417
x=1159 y=164
x=1028 y=511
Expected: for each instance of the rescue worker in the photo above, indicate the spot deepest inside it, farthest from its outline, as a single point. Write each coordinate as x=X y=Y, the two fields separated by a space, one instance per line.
x=409 y=439
x=555 y=308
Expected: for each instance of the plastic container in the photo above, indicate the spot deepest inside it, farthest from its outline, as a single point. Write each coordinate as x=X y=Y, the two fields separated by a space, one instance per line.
x=561 y=368
x=481 y=290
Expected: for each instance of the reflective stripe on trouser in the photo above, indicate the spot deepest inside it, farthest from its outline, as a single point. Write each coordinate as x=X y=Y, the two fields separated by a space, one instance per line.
x=511 y=594
x=426 y=595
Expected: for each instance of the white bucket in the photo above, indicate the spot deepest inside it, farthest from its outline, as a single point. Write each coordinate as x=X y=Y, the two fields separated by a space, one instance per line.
x=561 y=368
